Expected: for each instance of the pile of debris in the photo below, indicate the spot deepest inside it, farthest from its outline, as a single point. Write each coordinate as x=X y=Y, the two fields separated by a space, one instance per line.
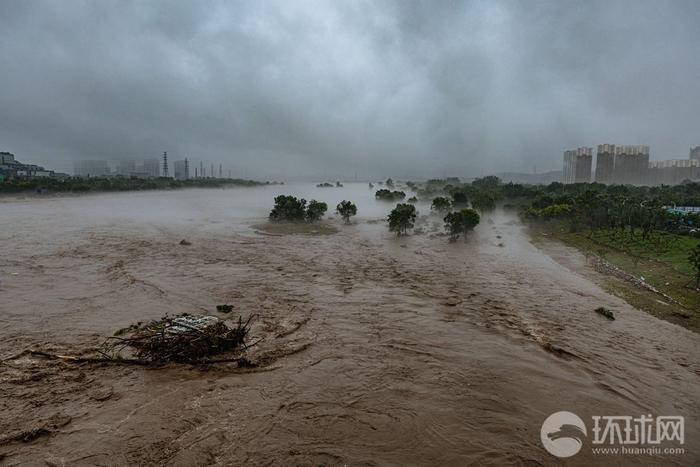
x=604 y=267
x=182 y=339
x=601 y=310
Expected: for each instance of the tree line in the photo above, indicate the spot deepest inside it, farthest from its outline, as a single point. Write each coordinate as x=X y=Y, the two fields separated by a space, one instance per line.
x=86 y=185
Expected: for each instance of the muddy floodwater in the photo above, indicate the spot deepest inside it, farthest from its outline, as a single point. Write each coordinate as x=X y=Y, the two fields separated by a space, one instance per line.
x=374 y=350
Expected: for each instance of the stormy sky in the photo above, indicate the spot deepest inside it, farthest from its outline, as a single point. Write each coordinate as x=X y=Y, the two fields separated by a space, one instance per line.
x=285 y=88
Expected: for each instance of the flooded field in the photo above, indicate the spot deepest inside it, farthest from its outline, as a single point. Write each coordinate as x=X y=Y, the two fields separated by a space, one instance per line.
x=374 y=350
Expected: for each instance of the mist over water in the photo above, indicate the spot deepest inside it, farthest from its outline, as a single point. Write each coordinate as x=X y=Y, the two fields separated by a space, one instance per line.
x=223 y=209
x=377 y=349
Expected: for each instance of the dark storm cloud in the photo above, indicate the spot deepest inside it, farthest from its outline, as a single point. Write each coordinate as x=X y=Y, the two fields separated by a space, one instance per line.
x=291 y=88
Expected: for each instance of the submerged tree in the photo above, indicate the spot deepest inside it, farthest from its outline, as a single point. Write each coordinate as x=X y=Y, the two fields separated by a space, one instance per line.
x=288 y=208
x=291 y=209
x=402 y=218
x=316 y=210
x=483 y=202
x=346 y=209
x=459 y=198
x=388 y=195
x=441 y=204
x=461 y=222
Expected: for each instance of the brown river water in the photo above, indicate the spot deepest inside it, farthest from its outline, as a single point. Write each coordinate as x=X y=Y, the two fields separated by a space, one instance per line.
x=374 y=350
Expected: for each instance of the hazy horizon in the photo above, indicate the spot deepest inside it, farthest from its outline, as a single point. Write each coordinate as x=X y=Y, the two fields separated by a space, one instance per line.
x=291 y=90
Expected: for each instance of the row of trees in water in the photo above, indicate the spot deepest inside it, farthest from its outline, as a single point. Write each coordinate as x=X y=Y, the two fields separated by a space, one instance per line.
x=644 y=215
x=458 y=217
x=401 y=218
x=639 y=210
x=292 y=209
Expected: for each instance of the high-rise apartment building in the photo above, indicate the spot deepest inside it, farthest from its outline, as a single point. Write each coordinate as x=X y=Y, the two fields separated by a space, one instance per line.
x=631 y=165
x=569 y=167
x=577 y=165
x=695 y=153
x=605 y=163
x=673 y=172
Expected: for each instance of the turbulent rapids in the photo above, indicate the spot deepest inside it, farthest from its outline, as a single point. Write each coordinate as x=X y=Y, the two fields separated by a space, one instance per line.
x=373 y=350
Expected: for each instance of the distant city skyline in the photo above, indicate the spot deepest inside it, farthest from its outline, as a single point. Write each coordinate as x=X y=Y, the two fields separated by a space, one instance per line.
x=628 y=165
x=116 y=166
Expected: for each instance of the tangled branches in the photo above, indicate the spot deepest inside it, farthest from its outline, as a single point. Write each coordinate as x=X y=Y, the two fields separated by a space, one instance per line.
x=181 y=339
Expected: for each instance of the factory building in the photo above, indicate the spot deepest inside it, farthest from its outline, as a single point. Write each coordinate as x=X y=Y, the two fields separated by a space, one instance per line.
x=182 y=169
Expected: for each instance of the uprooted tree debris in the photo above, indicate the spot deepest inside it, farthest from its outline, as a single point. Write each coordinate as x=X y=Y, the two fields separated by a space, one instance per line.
x=180 y=339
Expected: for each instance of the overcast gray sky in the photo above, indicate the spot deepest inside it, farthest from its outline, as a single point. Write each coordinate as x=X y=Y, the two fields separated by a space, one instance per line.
x=288 y=88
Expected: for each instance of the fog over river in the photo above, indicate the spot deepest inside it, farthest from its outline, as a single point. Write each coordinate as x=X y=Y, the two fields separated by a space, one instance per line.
x=375 y=350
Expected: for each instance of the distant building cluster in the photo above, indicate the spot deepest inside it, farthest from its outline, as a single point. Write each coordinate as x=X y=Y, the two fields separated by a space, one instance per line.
x=149 y=168
x=12 y=168
x=628 y=165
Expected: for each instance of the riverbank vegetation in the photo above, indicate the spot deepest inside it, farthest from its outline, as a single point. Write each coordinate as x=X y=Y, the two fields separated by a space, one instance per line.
x=639 y=230
x=665 y=270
